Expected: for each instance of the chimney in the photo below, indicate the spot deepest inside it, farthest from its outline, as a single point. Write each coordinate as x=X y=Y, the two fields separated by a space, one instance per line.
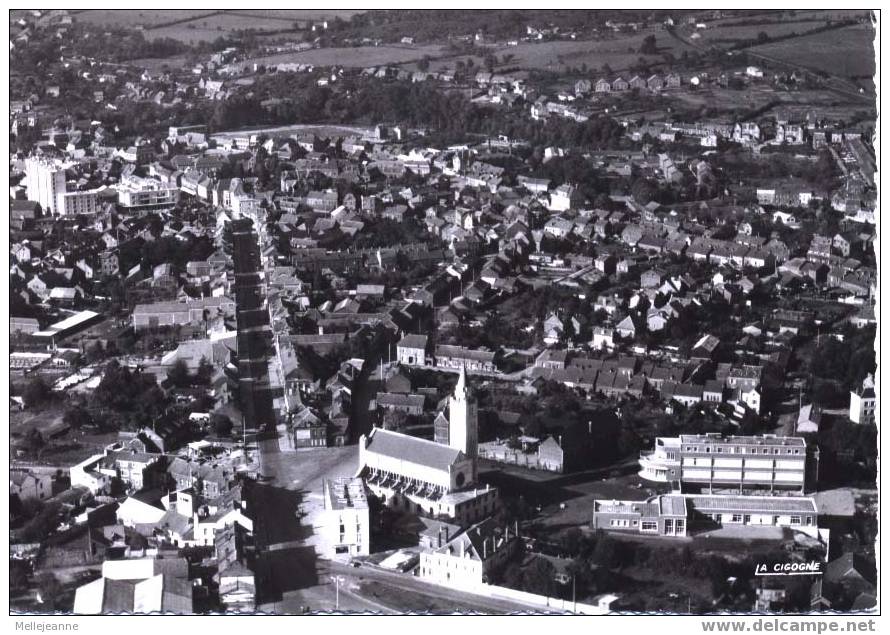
x=485 y=548
x=439 y=540
x=590 y=427
x=560 y=440
x=446 y=533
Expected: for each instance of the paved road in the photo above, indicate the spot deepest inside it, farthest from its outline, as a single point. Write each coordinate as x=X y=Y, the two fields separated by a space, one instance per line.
x=462 y=601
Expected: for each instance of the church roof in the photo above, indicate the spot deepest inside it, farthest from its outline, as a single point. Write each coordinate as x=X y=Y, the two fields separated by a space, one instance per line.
x=413 y=449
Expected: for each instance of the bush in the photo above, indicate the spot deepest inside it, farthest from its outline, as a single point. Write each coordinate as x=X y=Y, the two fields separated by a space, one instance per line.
x=37 y=393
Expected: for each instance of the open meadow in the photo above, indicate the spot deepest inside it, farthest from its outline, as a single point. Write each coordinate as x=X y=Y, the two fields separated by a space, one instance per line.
x=199 y=25
x=847 y=52
x=358 y=56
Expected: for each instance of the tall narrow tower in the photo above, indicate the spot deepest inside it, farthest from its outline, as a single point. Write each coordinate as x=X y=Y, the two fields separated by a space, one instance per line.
x=463 y=418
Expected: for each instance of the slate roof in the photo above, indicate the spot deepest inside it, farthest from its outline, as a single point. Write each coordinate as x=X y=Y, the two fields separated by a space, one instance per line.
x=413 y=449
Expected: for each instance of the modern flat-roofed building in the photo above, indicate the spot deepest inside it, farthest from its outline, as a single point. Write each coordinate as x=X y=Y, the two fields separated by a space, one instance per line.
x=77 y=202
x=346 y=524
x=677 y=514
x=139 y=194
x=714 y=462
x=660 y=515
x=795 y=512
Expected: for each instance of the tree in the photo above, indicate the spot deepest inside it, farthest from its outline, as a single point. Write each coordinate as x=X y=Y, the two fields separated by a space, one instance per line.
x=490 y=62
x=204 y=373
x=50 y=590
x=18 y=576
x=424 y=63
x=649 y=46
x=222 y=425
x=394 y=420
x=34 y=441
x=36 y=393
x=76 y=417
x=179 y=374
x=539 y=578
x=95 y=352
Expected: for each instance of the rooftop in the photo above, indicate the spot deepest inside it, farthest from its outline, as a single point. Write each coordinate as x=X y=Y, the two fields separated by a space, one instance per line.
x=342 y=493
x=768 y=440
x=412 y=449
x=772 y=504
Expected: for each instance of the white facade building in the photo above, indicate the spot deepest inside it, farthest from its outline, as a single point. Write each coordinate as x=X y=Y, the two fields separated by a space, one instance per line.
x=741 y=463
x=44 y=181
x=864 y=403
x=79 y=202
x=346 y=522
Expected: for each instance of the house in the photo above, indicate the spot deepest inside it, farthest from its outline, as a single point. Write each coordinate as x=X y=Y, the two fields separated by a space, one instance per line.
x=626 y=328
x=809 y=419
x=713 y=391
x=552 y=358
x=863 y=403
x=457 y=357
x=467 y=559
x=564 y=198
x=412 y=349
x=143 y=585
x=705 y=347
x=603 y=86
x=232 y=547
x=30 y=485
x=651 y=279
x=603 y=338
x=637 y=83
x=620 y=84
x=606 y=263
x=853 y=572
x=551 y=456
x=407 y=403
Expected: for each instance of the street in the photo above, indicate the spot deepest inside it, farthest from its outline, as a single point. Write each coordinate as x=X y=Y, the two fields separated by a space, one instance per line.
x=292 y=576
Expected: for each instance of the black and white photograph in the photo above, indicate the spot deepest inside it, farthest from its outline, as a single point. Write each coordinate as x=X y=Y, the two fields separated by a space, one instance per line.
x=444 y=312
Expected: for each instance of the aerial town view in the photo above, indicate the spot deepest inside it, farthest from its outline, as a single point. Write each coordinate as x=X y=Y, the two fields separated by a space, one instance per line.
x=423 y=311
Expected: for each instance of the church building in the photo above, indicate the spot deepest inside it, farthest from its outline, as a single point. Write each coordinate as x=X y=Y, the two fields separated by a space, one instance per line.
x=437 y=479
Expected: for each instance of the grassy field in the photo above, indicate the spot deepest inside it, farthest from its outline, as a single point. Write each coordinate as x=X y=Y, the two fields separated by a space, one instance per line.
x=212 y=27
x=618 y=51
x=197 y=25
x=360 y=56
x=42 y=420
x=146 y=18
x=729 y=34
x=302 y=14
x=285 y=131
x=846 y=52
